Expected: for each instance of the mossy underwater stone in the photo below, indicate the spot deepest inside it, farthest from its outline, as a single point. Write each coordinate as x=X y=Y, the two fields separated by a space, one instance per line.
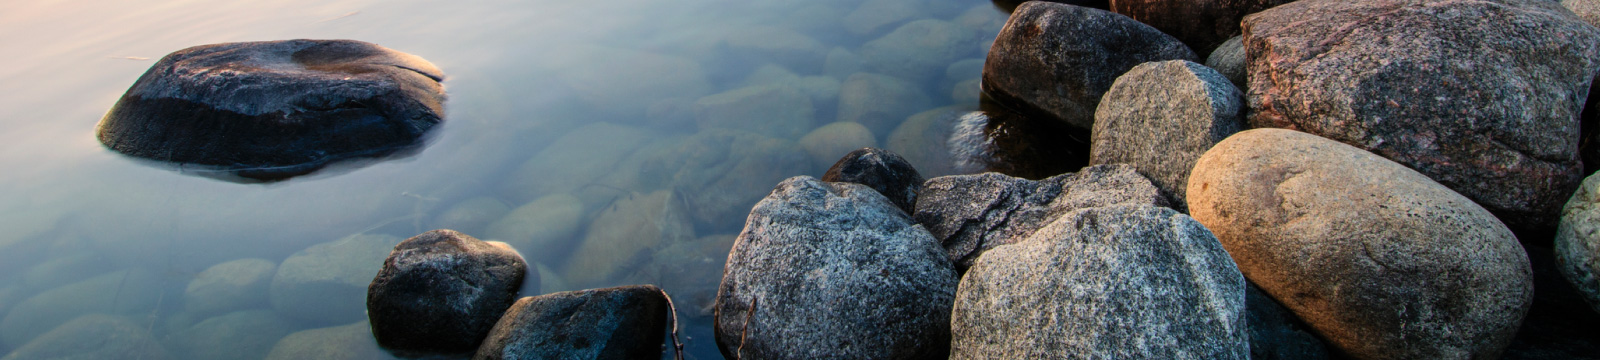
x=274 y=109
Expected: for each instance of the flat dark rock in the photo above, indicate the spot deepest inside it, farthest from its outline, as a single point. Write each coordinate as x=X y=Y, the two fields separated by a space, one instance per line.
x=880 y=170
x=627 y=322
x=275 y=109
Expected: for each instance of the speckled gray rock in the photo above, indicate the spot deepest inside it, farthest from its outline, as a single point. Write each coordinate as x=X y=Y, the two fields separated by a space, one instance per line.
x=346 y=342
x=1481 y=96
x=230 y=286
x=272 y=109
x=880 y=102
x=889 y=174
x=918 y=50
x=1577 y=243
x=441 y=291
x=1276 y=334
x=971 y=214
x=833 y=270
x=248 y=334
x=1201 y=24
x=1115 y=282
x=93 y=336
x=626 y=322
x=1228 y=59
x=1379 y=260
x=1160 y=116
x=327 y=283
x=1057 y=60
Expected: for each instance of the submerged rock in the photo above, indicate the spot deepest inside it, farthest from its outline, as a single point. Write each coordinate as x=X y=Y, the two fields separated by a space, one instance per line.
x=230 y=286
x=923 y=139
x=772 y=110
x=833 y=270
x=722 y=173
x=123 y=292
x=544 y=230
x=1161 y=116
x=327 y=283
x=1380 y=260
x=246 y=334
x=918 y=50
x=471 y=215
x=1577 y=243
x=441 y=291
x=879 y=102
x=1481 y=96
x=829 y=142
x=627 y=322
x=574 y=161
x=275 y=109
x=1056 y=60
x=889 y=174
x=93 y=336
x=1000 y=140
x=626 y=235
x=971 y=214
x=348 y=342
x=1123 y=281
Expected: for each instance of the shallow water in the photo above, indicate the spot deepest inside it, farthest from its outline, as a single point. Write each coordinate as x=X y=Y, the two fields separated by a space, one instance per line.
x=609 y=117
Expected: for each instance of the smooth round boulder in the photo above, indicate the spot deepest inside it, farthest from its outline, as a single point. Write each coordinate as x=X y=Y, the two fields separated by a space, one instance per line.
x=441 y=291
x=274 y=109
x=1228 y=60
x=833 y=270
x=1055 y=60
x=1379 y=260
x=1115 y=282
x=627 y=322
x=1481 y=96
x=1160 y=116
x=1577 y=243
x=881 y=170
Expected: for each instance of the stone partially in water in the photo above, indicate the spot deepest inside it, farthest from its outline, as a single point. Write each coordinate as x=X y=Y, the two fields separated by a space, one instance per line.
x=889 y=174
x=275 y=109
x=230 y=286
x=246 y=334
x=441 y=291
x=93 y=336
x=327 y=283
x=829 y=142
x=923 y=139
x=628 y=322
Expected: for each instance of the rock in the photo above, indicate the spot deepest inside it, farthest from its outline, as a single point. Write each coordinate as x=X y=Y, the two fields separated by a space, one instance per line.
x=1228 y=60
x=348 y=342
x=1161 y=116
x=441 y=291
x=246 y=334
x=93 y=336
x=1378 y=259
x=883 y=171
x=624 y=82
x=923 y=140
x=472 y=215
x=764 y=44
x=1202 y=25
x=1479 y=96
x=833 y=269
x=65 y=270
x=1055 y=60
x=1001 y=140
x=123 y=292
x=841 y=63
x=690 y=271
x=1276 y=334
x=327 y=283
x=880 y=102
x=1076 y=287
x=1010 y=6
x=275 y=109
x=545 y=229
x=230 y=286
x=834 y=140
x=1577 y=243
x=776 y=111
x=721 y=173
x=918 y=50
x=971 y=214
x=627 y=234
x=1588 y=10
x=874 y=16
x=625 y=322
x=574 y=161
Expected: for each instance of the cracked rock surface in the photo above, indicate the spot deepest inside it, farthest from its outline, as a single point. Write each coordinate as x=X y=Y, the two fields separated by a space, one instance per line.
x=441 y=291
x=1481 y=96
x=1376 y=258
x=970 y=214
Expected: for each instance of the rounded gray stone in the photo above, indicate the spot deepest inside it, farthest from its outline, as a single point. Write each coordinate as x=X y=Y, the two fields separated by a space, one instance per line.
x=1161 y=116
x=1577 y=243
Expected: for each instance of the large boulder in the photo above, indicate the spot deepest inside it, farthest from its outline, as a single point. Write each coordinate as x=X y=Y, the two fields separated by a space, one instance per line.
x=626 y=322
x=326 y=284
x=971 y=214
x=1481 y=96
x=1160 y=116
x=1379 y=260
x=833 y=270
x=441 y=291
x=93 y=336
x=248 y=334
x=273 y=109
x=883 y=171
x=230 y=286
x=1123 y=281
x=123 y=292
x=1201 y=24
x=1056 y=60
x=1577 y=243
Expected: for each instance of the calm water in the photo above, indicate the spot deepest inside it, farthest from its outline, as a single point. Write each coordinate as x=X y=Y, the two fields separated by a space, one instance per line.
x=611 y=118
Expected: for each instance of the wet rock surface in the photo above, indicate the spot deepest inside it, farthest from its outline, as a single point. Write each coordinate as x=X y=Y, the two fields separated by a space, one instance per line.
x=1378 y=259
x=1161 y=116
x=1577 y=242
x=883 y=171
x=628 y=322
x=1076 y=287
x=441 y=291
x=972 y=214
x=93 y=336
x=1402 y=79
x=326 y=284
x=833 y=270
x=230 y=286
x=1055 y=61
x=1001 y=140
x=275 y=109
x=923 y=139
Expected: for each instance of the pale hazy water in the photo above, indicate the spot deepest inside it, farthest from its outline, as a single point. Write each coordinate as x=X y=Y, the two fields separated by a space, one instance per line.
x=517 y=74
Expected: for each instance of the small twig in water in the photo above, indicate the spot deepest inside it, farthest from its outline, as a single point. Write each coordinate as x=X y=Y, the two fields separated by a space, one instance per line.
x=677 y=346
